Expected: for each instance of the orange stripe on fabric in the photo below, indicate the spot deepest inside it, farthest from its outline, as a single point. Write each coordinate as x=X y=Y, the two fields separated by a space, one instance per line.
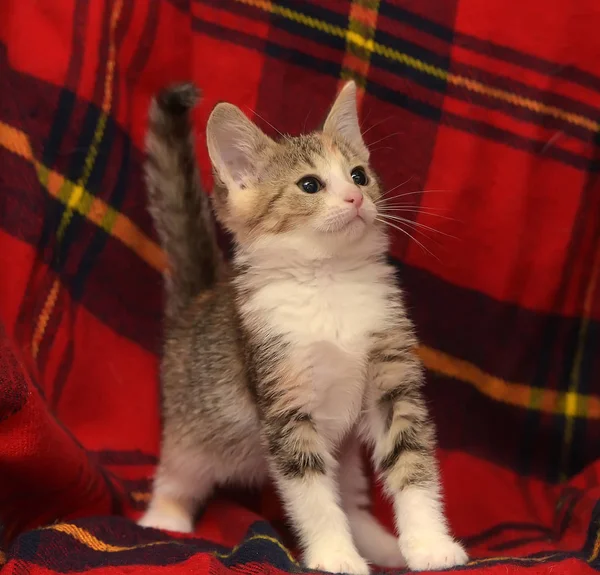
x=353 y=66
x=522 y=101
x=511 y=560
x=123 y=228
x=356 y=64
x=44 y=317
x=144 y=496
x=139 y=243
x=579 y=401
x=517 y=394
x=90 y=160
x=596 y=549
x=92 y=542
x=15 y=141
x=112 y=57
x=426 y=68
x=74 y=200
x=363 y=14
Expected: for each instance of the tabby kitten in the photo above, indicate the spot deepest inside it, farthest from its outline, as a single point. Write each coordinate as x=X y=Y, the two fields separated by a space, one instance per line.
x=285 y=362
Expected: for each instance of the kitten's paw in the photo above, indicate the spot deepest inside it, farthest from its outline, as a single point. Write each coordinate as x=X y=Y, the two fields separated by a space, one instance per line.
x=337 y=561
x=157 y=519
x=432 y=552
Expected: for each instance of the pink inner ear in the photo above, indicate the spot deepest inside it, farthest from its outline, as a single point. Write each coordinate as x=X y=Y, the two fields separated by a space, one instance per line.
x=239 y=167
x=235 y=159
x=235 y=142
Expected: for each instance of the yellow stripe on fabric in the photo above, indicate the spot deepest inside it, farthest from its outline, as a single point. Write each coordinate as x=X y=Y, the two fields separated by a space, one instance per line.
x=429 y=69
x=92 y=542
x=362 y=18
x=140 y=496
x=100 y=213
x=529 y=103
x=74 y=198
x=100 y=129
x=571 y=399
x=122 y=228
x=509 y=559
x=578 y=402
x=518 y=394
x=295 y=16
x=596 y=549
x=268 y=538
x=85 y=537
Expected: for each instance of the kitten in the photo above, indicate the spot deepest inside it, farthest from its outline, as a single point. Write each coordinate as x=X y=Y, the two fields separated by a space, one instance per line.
x=285 y=362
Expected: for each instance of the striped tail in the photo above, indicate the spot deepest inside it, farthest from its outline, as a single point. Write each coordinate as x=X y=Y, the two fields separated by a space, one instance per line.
x=180 y=208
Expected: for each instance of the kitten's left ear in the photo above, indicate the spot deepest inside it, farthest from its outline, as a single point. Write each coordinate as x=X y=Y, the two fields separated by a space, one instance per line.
x=235 y=144
x=343 y=119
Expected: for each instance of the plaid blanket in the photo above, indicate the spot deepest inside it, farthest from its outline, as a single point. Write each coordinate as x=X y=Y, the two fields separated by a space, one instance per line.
x=493 y=104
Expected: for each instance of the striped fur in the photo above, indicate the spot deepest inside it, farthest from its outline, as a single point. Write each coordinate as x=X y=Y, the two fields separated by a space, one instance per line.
x=284 y=363
x=177 y=203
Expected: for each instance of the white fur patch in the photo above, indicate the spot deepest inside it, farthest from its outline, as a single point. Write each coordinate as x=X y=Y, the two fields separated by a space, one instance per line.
x=327 y=311
x=424 y=538
x=323 y=527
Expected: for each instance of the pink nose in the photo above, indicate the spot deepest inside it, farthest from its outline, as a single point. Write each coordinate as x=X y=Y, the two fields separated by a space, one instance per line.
x=354 y=197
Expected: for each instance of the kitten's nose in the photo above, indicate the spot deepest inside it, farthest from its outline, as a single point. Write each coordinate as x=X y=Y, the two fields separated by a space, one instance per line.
x=354 y=197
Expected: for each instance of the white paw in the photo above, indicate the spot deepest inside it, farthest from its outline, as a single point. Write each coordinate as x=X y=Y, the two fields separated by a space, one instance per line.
x=432 y=552
x=347 y=561
x=166 y=522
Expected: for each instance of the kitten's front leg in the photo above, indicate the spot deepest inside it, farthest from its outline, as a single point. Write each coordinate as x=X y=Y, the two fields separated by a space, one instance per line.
x=304 y=472
x=397 y=424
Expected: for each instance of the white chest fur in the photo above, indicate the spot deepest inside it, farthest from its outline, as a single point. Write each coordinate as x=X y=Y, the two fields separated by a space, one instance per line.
x=327 y=314
x=325 y=303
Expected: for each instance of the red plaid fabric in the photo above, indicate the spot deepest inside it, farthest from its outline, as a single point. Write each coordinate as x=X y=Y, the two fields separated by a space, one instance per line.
x=495 y=103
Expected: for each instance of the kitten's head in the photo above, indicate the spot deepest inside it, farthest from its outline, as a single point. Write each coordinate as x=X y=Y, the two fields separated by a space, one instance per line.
x=314 y=192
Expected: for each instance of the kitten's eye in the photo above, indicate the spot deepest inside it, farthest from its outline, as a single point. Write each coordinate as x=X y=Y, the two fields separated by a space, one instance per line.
x=309 y=184
x=359 y=176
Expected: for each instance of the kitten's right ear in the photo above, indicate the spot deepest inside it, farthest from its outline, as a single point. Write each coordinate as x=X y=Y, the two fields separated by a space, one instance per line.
x=343 y=119
x=234 y=143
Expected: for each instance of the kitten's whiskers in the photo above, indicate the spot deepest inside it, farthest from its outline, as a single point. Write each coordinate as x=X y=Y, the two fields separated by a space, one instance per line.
x=416 y=224
x=394 y=188
x=269 y=124
x=391 y=210
x=411 y=194
x=375 y=125
x=384 y=138
x=387 y=223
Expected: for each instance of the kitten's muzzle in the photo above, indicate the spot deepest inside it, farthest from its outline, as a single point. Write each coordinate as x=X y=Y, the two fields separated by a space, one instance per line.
x=355 y=198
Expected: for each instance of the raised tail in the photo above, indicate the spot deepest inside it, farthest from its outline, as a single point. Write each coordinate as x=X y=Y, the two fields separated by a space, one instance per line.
x=180 y=209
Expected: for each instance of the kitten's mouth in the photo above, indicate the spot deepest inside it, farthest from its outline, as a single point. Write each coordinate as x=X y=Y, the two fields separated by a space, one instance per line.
x=354 y=220
x=348 y=224
x=357 y=216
